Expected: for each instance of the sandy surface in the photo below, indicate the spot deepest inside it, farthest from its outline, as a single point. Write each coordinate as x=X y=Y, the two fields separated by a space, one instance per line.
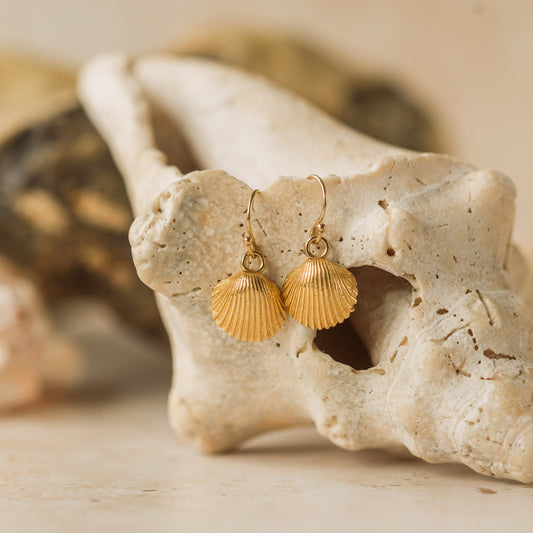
x=104 y=459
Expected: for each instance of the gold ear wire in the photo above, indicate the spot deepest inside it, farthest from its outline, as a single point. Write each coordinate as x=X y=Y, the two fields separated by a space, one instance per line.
x=249 y=241
x=318 y=228
x=319 y=294
x=247 y=305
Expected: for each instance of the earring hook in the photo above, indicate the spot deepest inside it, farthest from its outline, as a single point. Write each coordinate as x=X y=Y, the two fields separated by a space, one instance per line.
x=248 y=237
x=318 y=227
x=249 y=241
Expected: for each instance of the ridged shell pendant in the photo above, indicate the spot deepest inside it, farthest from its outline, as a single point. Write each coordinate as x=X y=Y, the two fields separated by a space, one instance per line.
x=320 y=294
x=248 y=306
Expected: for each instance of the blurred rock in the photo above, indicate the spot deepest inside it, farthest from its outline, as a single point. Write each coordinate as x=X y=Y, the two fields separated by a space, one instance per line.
x=31 y=90
x=64 y=216
x=32 y=355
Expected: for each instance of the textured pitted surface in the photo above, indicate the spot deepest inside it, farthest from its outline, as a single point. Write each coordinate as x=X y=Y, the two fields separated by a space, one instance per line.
x=439 y=311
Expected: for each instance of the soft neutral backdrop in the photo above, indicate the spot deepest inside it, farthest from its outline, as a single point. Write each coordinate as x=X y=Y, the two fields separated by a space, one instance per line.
x=471 y=61
x=104 y=458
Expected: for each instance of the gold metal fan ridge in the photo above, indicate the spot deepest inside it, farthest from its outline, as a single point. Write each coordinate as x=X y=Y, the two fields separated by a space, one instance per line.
x=248 y=306
x=320 y=294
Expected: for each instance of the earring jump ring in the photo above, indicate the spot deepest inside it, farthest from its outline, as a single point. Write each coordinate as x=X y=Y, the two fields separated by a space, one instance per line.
x=252 y=255
x=316 y=241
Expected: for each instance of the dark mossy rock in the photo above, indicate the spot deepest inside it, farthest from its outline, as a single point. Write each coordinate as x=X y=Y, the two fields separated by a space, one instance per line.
x=64 y=217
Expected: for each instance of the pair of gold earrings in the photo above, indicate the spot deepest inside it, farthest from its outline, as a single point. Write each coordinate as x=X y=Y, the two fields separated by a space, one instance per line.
x=319 y=294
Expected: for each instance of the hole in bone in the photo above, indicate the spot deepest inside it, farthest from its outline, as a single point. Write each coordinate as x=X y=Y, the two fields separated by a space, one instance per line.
x=343 y=344
x=171 y=141
x=353 y=342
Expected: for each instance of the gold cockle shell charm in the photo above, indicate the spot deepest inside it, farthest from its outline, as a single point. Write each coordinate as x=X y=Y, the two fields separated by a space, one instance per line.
x=320 y=294
x=248 y=306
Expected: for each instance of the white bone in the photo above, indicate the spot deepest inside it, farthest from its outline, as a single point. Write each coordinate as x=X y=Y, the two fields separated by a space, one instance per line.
x=449 y=339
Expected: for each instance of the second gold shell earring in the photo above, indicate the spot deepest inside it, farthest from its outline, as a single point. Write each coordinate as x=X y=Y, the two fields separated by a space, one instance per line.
x=319 y=294
x=247 y=305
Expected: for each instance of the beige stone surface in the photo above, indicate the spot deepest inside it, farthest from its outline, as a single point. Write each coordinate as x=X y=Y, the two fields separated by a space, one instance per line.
x=106 y=460
x=440 y=313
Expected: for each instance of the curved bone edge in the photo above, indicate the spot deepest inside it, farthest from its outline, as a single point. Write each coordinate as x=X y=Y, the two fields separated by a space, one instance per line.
x=439 y=377
x=229 y=114
x=365 y=103
x=114 y=102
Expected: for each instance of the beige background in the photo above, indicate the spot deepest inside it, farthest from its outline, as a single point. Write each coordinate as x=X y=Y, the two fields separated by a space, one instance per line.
x=471 y=61
x=105 y=458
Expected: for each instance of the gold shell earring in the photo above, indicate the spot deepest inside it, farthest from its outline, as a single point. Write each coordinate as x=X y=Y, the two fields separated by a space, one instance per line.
x=319 y=294
x=247 y=305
